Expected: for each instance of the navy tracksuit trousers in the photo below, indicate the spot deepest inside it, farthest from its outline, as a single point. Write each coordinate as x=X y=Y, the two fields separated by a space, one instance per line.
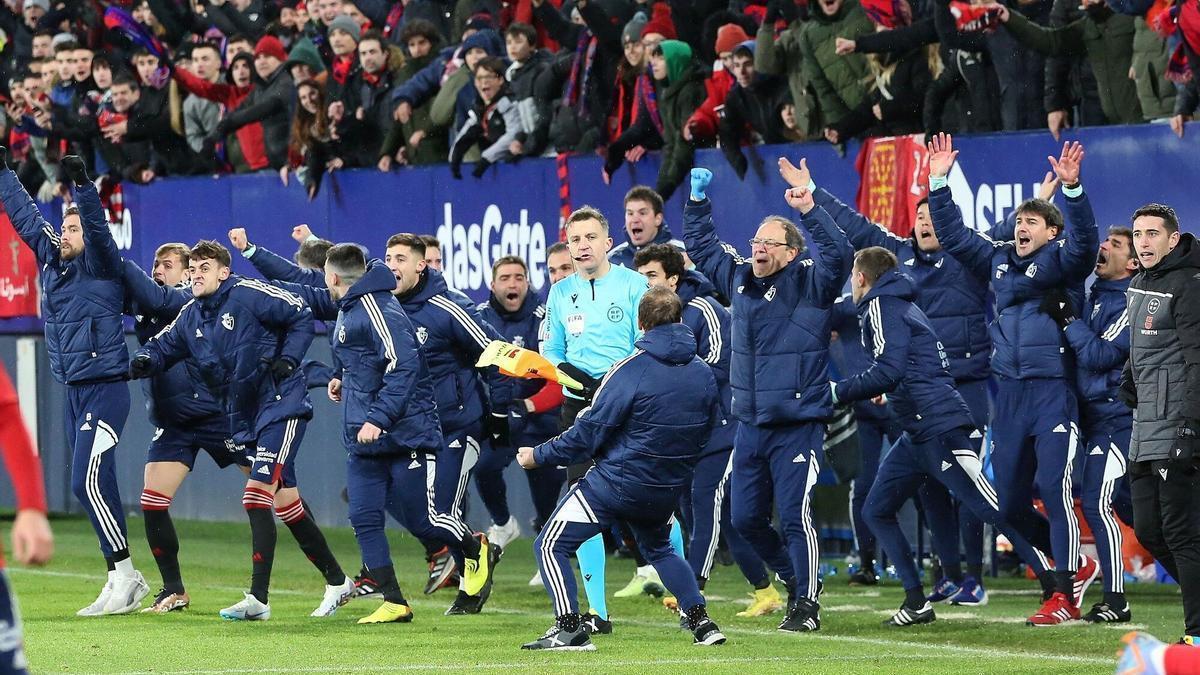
x=95 y=419
x=1104 y=489
x=708 y=507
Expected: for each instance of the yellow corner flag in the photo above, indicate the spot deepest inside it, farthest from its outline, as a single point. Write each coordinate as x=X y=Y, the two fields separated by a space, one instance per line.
x=517 y=361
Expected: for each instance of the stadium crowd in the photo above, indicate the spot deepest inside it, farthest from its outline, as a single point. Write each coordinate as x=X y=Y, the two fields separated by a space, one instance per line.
x=148 y=88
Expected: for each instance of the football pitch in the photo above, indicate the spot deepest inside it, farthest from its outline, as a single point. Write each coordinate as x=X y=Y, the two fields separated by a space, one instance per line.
x=646 y=638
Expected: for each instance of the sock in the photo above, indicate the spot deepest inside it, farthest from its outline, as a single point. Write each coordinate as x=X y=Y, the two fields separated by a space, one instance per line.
x=432 y=548
x=568 y=622
x=110 y=565
x=953 y=572
x=1114 y=600
x=700 y=582
x=677 y=538
x=311 y=541
x=386 y=578
x=695 y=615
x=1046 y=579
x=1064 y=582
x=258 y=504
x=124 y=566
x=160 y=535
x=975 y=570
x=645 y=570
x=470 y=546
x=914 y=598
x=762 y=585
x=591 y=557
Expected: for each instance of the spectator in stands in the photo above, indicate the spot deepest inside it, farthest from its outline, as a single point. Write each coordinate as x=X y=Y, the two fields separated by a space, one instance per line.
x=783 y=56
x=893 y=105
x=493 y=124
x=584 y=73
x=312 y=150
x=148 y=120
x=415 y=141
x=838 y=82
x=20 y=30
x=680 y=85
x=270 y=103
x=701 y=127
x=200 y=115
x=42 y=45
x=321 y=14
x=304 y=61
x=635 y=124
x=244 y=151
x=1186 y=104
x=238 y=16
x=371 y=120
x=1104 y=36
x=527 y=65
x=752 y=109
x=238 y=44
x=446 y=76
x=343 y=74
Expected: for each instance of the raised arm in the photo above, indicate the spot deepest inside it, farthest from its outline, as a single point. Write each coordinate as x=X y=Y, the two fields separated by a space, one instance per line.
x=100 y=255
x=889 y=339
x=316 y=297
x=610 y=407
x=715 y=259
x=1078 y=255
x=163 y=302
x=830 y=252
x=970 y=248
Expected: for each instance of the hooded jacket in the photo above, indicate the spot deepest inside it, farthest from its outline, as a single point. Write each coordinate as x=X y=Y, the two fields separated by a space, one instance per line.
x=679 y=96
x=82 y=298
x=434 y=146
x=837 y=80
x=780 y=342
x=385 y=380
x=493 y=126
x=234 y=335
x=452 y=335
x=710 y=323
x=522 y=328
x=908 y=362
x=272 y=103
x=1026 y=343
x=622 y=254
x=644 y=457
x=755 y=108
x=176 y=398
x=1162 y=376
x=953 y=297
x=1100 y=340
x=249 y=136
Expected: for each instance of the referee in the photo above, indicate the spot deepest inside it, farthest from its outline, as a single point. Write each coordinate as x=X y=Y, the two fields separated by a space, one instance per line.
x=1161 y=383
x=591 y=324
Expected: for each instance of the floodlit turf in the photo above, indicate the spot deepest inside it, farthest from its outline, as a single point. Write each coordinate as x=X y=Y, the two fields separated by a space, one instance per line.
x=647 y=639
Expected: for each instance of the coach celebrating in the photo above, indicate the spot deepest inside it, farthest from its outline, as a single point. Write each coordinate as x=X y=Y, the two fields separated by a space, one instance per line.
x=1161 y=383
x=779 y=374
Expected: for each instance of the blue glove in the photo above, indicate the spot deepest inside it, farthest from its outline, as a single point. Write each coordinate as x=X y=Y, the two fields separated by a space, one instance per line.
x=700 y=180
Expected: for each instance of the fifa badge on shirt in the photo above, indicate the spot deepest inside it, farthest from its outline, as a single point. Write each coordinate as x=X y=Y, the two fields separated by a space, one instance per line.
x=575 y=324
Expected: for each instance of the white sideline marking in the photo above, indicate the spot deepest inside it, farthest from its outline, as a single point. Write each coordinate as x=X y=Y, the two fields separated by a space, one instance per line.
x=922 y=647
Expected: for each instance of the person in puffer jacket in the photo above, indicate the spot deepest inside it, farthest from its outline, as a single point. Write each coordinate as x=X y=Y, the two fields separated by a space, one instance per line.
x=705 y=502
x=780 y=377
x=1099 y=339
x=82 y=296
x=955 y=299
x=187 y=417
x=248 y=338
x=517 y=313
x=909 y=363
x=643 y=463
x=1035 y=393
x=390 y=425
x=493 y=124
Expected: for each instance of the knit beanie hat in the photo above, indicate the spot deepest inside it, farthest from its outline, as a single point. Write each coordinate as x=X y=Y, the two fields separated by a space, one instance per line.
x=270 y=46
x=729 y=36
x=660 y=22
x=346 y=25
x=633 y=29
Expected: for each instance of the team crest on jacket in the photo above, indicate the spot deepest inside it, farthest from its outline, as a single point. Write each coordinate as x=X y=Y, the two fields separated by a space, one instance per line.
x=519 y=340
x=422 y=334
x=342 y=334
x=1153 y=305
x=1031 y=270
x=1095 y=310
x=770 y=294
x=227 y=321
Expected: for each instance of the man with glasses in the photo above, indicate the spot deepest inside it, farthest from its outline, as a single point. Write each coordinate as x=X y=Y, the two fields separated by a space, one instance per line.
x=779 y=375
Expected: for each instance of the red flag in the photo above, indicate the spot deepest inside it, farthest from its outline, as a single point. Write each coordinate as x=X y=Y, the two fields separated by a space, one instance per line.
x=18 y=273
x=893 y=179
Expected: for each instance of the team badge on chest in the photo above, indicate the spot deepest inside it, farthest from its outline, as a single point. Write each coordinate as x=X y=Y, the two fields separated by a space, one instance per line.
x=227 y=321
x=422 y=334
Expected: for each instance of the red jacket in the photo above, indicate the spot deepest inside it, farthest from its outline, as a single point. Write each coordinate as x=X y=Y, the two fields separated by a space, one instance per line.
x=704 y=121
x=250 y=137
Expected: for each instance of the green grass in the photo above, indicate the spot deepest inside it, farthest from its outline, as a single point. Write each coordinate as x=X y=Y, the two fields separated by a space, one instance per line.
x=647 y=639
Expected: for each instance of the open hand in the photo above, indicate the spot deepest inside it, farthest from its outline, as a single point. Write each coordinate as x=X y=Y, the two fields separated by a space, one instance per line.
x=941 y=154
x=1068 y=163
x=795 y=176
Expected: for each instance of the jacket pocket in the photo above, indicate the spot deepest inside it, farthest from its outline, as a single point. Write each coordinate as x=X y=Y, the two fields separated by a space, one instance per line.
x=1164 y=387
